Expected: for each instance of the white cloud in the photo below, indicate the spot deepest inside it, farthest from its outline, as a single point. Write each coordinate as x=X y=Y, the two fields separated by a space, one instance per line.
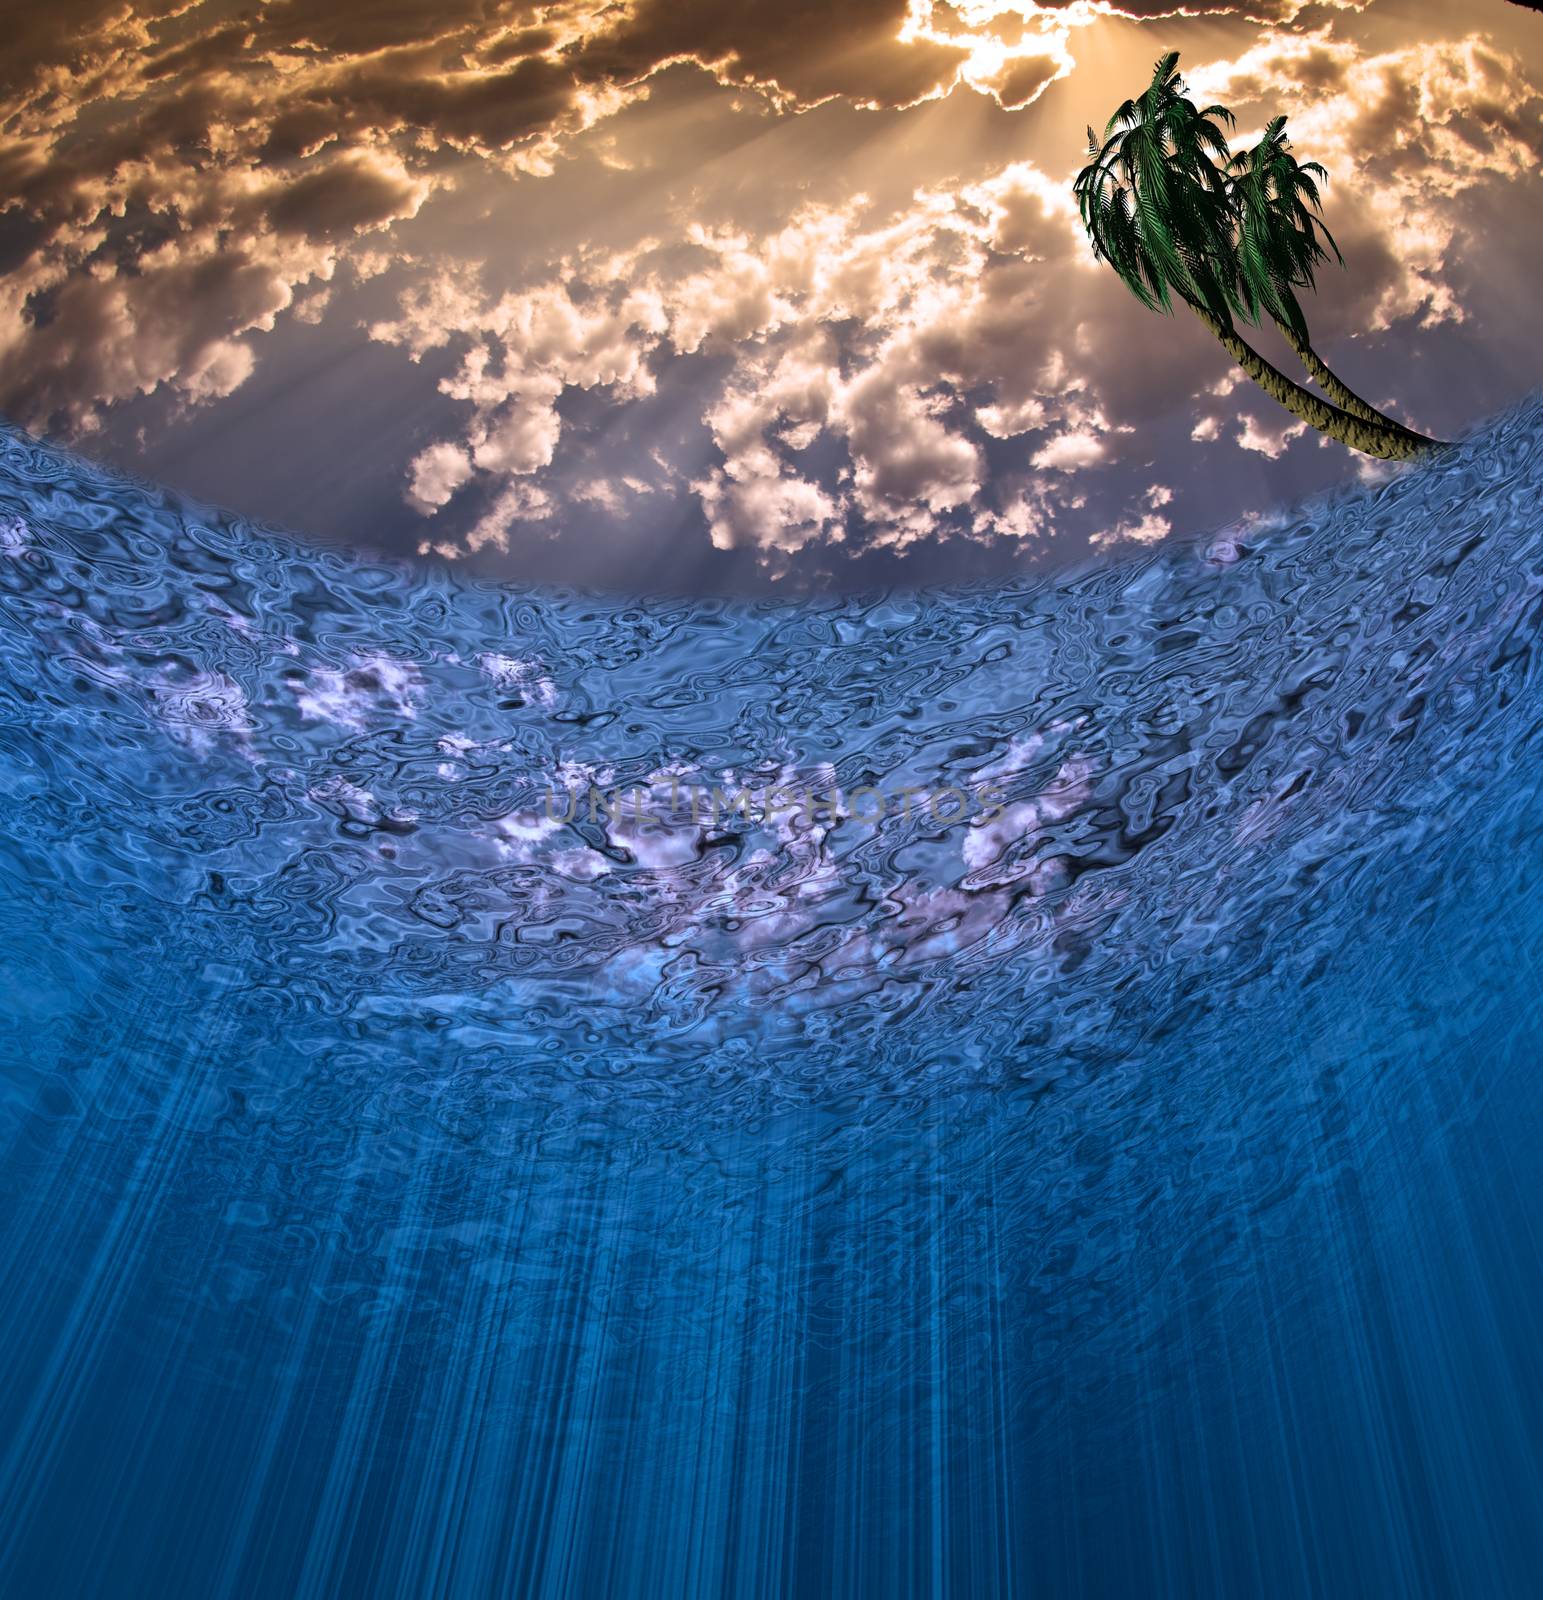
x=1146 y=528
x=1067 y=451
x=436 y=474
x=775 y=511
x=1270 y=439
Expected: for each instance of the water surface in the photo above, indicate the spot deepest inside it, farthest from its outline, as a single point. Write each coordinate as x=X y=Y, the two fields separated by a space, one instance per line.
x=406 y=1192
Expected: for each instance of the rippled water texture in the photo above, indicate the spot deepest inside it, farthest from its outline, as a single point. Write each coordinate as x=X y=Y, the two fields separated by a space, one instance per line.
x=1127 y=1189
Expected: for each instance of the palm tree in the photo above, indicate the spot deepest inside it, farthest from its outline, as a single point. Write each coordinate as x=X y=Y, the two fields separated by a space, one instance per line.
x=1158 y=207
x=1281 y=239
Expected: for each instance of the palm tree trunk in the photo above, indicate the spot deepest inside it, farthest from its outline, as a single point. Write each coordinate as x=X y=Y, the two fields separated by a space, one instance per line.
x=1371 y=438
x=1341 y=394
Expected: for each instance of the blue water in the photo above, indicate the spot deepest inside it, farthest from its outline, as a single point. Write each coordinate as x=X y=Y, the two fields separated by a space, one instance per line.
x=1132 y=1192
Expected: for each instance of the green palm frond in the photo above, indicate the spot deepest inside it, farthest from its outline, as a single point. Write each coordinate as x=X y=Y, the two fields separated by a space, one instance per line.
x=1177 y=215
x=1282 y=239
x=1154 y=197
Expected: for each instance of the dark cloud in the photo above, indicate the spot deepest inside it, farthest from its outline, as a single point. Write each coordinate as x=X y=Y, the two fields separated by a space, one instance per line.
x=72 y=37
x=810 y=50
x=345 y=27
x=518 y=42
x=486 y=71
x=350 y=195
x=204 y=53
x=404 y=91
x=1155 y=10
x=1021 y=81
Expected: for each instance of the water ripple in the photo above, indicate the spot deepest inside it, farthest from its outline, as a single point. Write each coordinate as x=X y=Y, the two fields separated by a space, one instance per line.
x=390 y=1078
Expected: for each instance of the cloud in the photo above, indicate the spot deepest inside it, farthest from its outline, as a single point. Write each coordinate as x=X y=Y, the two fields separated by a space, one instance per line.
x=171 y=268
x=436 y=474
x=771 y=508
x=1077 y=447
x=353 y=193
x=905 y=344
x=892 y=345
x=1270 y=439
x=1146 y=528
x=71 y=42
x=830 y=368
x=232 y=161
x=1020 y=80
x=801 y=51
x=1407 y=136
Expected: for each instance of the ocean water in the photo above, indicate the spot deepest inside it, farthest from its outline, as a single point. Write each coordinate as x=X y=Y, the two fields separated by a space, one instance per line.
x=1117 y=1178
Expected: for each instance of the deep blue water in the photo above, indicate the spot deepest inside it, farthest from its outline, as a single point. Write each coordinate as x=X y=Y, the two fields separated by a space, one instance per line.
x=1132 y=1192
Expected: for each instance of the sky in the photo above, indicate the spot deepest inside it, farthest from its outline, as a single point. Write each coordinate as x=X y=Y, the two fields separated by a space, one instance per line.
x=726 y=295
